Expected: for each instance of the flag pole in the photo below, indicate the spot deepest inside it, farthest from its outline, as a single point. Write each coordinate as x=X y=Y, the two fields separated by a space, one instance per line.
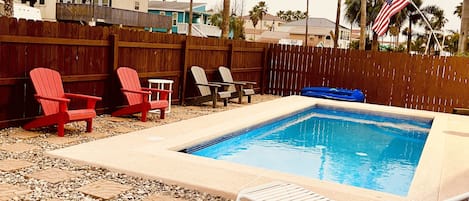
x=429 y=26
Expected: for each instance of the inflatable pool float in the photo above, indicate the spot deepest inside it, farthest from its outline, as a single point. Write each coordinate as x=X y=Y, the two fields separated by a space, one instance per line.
x=334 y=93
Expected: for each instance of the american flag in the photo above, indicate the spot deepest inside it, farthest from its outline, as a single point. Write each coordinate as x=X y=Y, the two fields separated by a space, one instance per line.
x=390 y=8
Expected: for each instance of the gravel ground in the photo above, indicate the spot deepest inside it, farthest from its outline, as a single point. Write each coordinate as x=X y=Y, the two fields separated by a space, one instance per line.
x=105 y=125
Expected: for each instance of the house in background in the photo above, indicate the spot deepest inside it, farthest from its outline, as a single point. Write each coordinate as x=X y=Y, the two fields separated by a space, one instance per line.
x=320 y=32
x=179 y=13
x=269 y=23
x=103 y=12
x=23 y=9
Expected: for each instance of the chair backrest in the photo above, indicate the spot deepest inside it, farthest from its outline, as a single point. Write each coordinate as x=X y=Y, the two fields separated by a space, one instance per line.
x=225 y=74
x=200 y=78
x=128 y=78
x=47 y=83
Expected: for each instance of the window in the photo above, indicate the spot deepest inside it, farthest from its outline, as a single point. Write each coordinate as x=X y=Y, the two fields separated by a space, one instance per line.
x=328 y=37
x=175 y=18
x=42 y=2
x=162 y=13
x=137 y=5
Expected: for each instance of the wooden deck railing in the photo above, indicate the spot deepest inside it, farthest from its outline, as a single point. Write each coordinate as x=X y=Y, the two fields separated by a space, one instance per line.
x=84 y=13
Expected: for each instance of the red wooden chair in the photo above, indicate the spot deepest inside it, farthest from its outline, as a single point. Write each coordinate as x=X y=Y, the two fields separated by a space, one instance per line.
x=54 y=102
x=137 y=96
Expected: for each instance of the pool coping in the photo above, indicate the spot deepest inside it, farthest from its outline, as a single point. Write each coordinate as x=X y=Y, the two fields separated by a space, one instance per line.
x=153 y=153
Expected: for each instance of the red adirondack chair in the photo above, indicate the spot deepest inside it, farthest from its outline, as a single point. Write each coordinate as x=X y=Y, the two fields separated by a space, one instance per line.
x=137 y=96
x=54 y=102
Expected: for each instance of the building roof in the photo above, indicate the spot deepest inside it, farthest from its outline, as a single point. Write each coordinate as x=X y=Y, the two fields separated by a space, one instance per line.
x=172 y=5
x=314 y=22
x=267 y=17
x=275 y=35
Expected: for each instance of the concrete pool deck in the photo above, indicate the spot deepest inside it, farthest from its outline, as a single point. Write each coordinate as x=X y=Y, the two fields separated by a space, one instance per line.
x=153 y=153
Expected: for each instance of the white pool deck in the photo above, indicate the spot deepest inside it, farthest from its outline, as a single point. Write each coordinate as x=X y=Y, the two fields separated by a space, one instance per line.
x=443 y=170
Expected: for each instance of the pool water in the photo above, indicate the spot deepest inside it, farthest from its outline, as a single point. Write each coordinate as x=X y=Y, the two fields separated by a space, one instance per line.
x=348 y=147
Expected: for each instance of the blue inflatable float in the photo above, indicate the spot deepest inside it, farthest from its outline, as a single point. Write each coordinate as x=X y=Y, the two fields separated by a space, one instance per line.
x=334 y=93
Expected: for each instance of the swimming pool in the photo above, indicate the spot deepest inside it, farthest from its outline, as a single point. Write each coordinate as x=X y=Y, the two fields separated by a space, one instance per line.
x=378 y=152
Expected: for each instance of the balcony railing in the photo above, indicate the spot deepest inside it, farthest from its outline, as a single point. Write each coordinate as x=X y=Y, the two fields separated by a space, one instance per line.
x=201 y=30
x=85 y=13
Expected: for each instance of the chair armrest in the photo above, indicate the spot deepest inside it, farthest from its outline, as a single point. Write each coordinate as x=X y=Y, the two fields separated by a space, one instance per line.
x=209 y=85
x=248 y=82
x=82 y=96
x=235 y=83
x=221 y=83
x=163 y=93
x=90 y=100
x=136 y=91
x=62 y=100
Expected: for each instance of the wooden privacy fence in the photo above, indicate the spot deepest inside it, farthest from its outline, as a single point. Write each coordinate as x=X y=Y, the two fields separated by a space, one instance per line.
x=87 y=58
x=411 y=81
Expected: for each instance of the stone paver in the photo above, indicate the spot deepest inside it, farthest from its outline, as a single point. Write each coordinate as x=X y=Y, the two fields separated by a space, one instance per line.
x=60 y=140
x=146 y=124
x=8 y=191
x=104 y=189
x=53 y=175
x=122 y=129
x=18 y=147
x=96 y=135
x=25 y=134
x=156 y=197
x=13 y=164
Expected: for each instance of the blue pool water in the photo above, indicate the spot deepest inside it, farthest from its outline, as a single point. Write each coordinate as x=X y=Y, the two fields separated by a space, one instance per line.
x=353 y=148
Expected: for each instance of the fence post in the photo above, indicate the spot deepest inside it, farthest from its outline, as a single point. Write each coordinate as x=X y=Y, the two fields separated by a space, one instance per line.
x=184 y=69
x=114 y=40
x=114 y=63
x=265 y=68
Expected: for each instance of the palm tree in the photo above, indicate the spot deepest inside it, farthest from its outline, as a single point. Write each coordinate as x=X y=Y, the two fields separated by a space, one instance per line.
x=362 y=24
x=337 y=21
x=436 y=18
x=226 y=17
x=254 y=17
x=262 y=9
x=458 y=10
x=257 y=13
x=8 y=8
x=290 y=15
x=464 y=27
x=237 y=25
x=353 y=9
x=216 y=20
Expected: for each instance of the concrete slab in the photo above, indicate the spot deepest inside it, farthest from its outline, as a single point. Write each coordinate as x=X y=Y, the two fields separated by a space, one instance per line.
x=153 y=153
